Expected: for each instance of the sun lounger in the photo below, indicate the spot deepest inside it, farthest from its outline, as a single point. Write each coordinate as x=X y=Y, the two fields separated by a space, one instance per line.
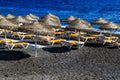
x=5 y=31
x=11 y=44
x=97 y=35
x=108 y=41
x=72 y=43
x=51 y=40
x=73 y=35
x=115 y=44
x=57 y=41
x=46 y=39
x=5 y=40
x=23 y=35
x=111 y=37
x=59 y=33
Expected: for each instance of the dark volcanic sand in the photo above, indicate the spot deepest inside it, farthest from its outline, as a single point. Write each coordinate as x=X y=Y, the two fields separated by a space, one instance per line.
x=92 y=62
x=87 y=63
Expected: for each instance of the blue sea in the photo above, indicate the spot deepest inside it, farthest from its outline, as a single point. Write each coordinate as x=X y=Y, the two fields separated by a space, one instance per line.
x=86 y=9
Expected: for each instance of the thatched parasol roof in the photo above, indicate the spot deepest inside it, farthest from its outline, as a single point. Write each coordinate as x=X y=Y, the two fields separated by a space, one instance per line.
x=20 y=19
x=7 y=23
x=10 y=16
x=51 y=20
x=28 y=17
x=1 y=17
x=33 y=16
x=110 y=26
x=80 y=24
x=38 y=27
x=69 y=19
x=100 y=21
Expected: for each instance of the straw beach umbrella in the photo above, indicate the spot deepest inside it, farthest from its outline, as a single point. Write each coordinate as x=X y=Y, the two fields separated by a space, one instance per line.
x=7 y=24
x=10 y=16
x=80 y=25
x=110 y=26
x=51 y=20
x=38 y=28
x=33 y=16
x=69 y=19
x=100 y=21
x=79 y=21
x=27 y=17
x=20 y=19
x=1 y=17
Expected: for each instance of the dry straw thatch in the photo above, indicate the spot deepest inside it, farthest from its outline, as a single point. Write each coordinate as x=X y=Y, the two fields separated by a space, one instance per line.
x=10 y=16
x=80 y=24
x=2 y=17
x=38 y=28
x=110 y=26
x=4 y=23
x=20 y=19
x=100 y=21
x=51 y=20
x=69 y=19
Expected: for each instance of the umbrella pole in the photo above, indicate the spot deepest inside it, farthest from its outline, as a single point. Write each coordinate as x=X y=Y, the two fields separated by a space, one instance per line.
x=111 y=35
x=35 y=51
x=36 y=45
x=100 y=32
x=35 y=48
x=5 y=35
x=79 y=39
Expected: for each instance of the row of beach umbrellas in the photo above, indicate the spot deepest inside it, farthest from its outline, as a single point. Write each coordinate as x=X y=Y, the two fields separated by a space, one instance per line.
x=50 y=22
x=83 y=25
x=47 y=23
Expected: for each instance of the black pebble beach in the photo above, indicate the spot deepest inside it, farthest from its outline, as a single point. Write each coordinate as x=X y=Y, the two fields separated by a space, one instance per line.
x=91 y=62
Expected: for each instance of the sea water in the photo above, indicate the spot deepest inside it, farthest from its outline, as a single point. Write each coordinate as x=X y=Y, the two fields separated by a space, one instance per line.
x=85 y=9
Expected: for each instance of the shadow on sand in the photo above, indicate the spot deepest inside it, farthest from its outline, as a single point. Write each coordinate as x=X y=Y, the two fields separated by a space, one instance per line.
x=57 y=49
x=12 y=55
x=94 y=45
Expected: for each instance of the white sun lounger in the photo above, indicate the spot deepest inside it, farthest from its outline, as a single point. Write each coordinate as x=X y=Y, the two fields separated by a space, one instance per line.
x=12 y=43
x=23 y=35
